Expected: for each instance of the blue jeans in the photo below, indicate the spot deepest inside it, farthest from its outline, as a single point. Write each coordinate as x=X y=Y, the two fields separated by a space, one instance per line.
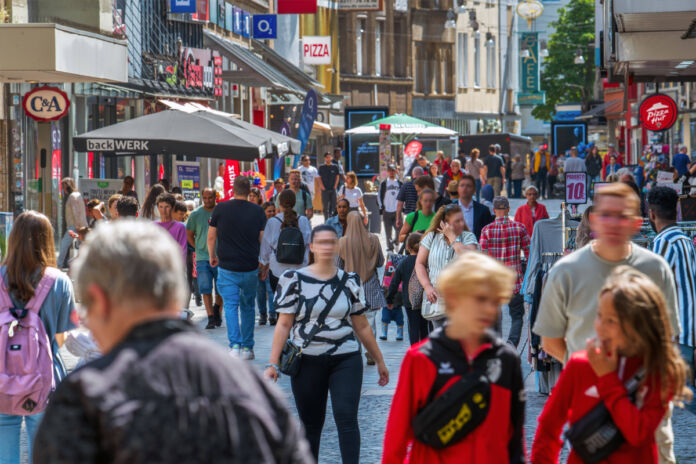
x=238 y=290
x=263 y=294
x=687 y=353
x=395 y=314
x=478 y=189
x=206 y=275
x=65 y=244
x=517 y=188
x=10 y=427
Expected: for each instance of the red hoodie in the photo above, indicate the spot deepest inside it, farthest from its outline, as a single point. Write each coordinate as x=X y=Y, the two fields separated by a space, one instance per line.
x=499 y=439
x=579 y=390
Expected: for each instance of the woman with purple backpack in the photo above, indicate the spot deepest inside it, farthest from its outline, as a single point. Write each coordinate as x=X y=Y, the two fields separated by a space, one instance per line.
x=37 y=307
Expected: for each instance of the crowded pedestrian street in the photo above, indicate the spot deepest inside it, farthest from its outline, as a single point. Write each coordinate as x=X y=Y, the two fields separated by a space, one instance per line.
x=347 y=231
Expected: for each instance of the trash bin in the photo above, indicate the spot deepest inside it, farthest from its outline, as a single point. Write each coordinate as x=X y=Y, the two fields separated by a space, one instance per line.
x=374 y=219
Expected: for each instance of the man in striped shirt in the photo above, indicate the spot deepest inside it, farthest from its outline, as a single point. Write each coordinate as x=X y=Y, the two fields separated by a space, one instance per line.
x=679 y=252
x=505 y=240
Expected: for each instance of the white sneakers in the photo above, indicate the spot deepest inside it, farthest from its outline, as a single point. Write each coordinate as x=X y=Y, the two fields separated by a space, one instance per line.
x=247 y=354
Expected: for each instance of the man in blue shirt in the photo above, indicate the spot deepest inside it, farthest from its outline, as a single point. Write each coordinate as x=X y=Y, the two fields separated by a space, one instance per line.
x=682 y=161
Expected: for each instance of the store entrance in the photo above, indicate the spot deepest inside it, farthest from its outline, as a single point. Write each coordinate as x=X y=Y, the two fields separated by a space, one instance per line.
x=44 y=173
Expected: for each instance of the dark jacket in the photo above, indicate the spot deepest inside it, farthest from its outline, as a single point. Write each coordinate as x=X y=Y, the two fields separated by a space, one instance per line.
x=166 y=394
x=402 y=274
x=482 y=217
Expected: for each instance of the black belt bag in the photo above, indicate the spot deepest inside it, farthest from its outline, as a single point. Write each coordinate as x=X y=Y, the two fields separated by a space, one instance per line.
x=450 y=417
x=292 y=354
x=595 y=436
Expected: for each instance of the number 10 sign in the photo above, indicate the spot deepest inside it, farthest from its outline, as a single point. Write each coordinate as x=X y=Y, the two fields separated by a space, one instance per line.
x=576 y=188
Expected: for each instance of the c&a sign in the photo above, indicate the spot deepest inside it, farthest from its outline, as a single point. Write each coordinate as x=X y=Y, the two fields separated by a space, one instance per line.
x=46 y=103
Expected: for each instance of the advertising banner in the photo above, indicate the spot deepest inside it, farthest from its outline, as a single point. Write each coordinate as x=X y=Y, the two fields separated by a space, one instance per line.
x=309 y=114
x=182 y=6
x=297 y=6
x=360 y=5
x=101 y=189
x=231 y=172
x=188 y=177
x=265 y=26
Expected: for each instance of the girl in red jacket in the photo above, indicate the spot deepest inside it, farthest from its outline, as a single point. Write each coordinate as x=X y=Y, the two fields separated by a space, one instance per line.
x=473 y=287
x=633 y=330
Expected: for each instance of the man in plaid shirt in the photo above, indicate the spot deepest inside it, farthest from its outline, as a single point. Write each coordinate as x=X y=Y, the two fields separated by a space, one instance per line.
x=504 y=240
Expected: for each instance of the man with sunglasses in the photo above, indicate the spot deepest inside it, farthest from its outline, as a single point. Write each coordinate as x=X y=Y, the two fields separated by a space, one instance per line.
x=568 y=305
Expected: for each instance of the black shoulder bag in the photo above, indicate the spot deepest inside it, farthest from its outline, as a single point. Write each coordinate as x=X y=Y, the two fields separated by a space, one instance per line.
x=449 y=418
x=595 y=436
x=292 y=354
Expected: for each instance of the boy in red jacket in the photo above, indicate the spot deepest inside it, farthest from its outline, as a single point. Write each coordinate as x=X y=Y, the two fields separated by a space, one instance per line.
x=473 y=287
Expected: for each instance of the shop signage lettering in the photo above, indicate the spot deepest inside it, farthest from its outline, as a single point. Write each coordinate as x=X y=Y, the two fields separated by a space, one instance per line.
x=576 y=188
x=530 y=65
x=658 y=112
x=46 y=103
x=316 y=49
x=359 y=5
x=117 y=145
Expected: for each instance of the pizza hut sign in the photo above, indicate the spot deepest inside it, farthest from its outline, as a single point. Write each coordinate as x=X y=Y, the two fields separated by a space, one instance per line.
x=658 y=112
x=46 y=103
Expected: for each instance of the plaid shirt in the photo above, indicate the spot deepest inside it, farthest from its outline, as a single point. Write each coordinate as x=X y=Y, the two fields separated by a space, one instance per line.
x=503 y=240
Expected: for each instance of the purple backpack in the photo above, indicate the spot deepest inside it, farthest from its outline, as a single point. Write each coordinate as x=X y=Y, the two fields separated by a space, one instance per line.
x=26 y=359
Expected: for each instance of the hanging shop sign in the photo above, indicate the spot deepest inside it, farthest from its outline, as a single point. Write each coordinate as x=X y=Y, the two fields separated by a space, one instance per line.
x=297 y=6
x=46 y=103
x=316 y=49
x=246 y=24
x=413 y=148
x=238 y=26
x=658 y=112
x=265 y=26
x=197 y=67
x=530 y=65
x=360 y=5
x=182 y=6
x=201 y=13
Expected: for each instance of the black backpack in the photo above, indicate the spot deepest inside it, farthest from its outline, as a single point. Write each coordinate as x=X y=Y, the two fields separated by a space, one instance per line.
x=290 y=248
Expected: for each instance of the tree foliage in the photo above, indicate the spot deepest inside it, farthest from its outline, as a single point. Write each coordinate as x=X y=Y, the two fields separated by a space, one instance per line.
x=562 y=79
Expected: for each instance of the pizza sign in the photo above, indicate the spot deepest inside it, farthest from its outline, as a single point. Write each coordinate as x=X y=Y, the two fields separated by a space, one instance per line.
x=658 y=112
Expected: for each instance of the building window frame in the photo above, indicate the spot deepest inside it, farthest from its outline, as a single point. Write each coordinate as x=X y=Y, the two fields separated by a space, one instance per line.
x=359 y=38
x=379 y=47
x=491 y=63
x=462 y=60
x=477 y=59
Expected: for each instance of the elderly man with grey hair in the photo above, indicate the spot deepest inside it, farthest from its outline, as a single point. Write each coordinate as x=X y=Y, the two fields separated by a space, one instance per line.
x=162 y=393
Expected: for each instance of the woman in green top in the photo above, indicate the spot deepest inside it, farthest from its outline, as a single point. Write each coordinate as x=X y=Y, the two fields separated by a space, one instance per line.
x=419 y=220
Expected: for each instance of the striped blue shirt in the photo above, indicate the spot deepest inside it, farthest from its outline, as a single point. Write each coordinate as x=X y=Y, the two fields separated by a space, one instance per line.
x=679 y=252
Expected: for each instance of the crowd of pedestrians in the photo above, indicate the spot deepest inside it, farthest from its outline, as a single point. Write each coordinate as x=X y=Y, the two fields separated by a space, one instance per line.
x=618 y=317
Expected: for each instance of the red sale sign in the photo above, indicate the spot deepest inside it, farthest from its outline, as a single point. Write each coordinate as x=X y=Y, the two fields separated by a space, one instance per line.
x=658 y=112
x=413 y=148
x=576 y=188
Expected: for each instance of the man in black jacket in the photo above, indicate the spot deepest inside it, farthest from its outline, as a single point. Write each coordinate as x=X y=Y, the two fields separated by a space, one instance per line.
x=476 y=215
x=162 y=393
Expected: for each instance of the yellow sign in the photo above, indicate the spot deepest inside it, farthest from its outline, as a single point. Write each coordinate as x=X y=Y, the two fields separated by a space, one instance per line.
x=187 y=184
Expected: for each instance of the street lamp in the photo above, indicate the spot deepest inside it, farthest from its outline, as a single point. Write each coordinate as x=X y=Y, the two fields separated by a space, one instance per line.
x=544 y=52
x=579 y=59
x=524 y=53
x=451 y=22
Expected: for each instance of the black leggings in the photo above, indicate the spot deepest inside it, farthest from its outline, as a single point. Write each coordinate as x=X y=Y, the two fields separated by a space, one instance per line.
x=342 y=376
x=417 y=326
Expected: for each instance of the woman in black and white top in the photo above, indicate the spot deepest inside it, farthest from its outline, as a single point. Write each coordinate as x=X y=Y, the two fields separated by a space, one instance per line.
x=351 y=192
x=331 y=361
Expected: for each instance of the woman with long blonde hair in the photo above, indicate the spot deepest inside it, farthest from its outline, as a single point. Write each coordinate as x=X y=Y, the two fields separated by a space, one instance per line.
x=31 y=259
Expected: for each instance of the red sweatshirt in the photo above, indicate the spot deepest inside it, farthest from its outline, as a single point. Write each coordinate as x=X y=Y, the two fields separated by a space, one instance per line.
x=579 y=390
x=499 y=439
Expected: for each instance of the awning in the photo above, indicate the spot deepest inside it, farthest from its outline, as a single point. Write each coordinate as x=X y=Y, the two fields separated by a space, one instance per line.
x=323 y=128
x=192 y=107
x=163 y=89
x=252 y=70
x=46 y=52
x=606 y=109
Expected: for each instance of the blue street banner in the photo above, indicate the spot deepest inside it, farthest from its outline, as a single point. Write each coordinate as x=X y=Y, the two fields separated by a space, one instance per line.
x=265 y=26
x=237 y=21
x=278 y=166
x=182 y=6
x=246 y=24
x=309 y=114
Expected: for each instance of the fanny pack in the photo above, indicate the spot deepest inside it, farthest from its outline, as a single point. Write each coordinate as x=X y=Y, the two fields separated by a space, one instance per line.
x=595 y=436
x=449 y=418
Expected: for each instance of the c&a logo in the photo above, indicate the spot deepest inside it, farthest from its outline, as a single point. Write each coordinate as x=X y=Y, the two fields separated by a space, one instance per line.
x=46 y=103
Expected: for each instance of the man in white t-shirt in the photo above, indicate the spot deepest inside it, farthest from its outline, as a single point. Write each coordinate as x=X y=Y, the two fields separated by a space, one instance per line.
x=388 y=191
x=309 y=173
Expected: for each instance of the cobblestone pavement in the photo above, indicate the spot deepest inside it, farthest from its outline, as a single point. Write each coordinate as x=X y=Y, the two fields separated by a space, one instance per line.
x=375 y=401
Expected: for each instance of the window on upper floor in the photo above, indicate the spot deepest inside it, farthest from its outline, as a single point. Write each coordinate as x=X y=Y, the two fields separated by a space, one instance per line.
x=477 y=59
x=462 y=60
x=491 y=77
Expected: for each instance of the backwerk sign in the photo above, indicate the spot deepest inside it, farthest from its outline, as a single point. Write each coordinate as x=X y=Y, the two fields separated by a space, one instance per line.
x=117 y=145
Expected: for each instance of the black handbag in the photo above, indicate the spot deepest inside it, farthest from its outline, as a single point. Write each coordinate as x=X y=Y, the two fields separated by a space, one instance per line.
x=595 y=436
x=292 y=354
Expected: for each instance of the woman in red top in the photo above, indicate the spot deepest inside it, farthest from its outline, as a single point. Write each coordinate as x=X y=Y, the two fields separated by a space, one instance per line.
x=441 y=162
x=532 y=211
x=633 y=330
x=473 y=286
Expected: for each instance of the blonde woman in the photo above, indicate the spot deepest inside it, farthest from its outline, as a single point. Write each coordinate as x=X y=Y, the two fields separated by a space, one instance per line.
x=351 y=192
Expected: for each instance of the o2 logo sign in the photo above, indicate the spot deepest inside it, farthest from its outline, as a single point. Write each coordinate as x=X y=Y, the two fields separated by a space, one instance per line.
x=46 y=103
